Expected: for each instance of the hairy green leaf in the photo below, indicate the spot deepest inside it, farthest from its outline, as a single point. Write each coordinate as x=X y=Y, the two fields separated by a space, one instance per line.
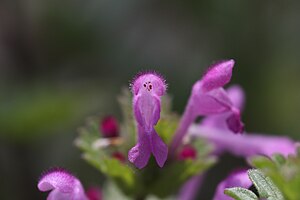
x=264 y=185
x=239 y=193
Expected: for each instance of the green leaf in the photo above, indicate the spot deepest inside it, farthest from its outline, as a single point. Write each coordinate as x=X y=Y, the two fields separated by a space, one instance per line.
x=128 y=129
x=172 y=176
x=166 y=128
x=278 y=159
x=264 y=185
x=261 y=162
x=120 y=173
x=284 y=172
x=111 y=191
x=239 y=193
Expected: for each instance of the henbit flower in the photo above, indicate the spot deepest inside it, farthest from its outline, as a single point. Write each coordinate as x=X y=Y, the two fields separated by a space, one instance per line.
x=209 y=98
x=213 y=128
x=63 y=184
x=235 y=179
x=109 y=127
x=147 y=90
x=237 y=97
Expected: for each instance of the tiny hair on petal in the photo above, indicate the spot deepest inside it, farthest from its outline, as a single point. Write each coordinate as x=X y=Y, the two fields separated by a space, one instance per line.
x=217 y=75
x=145 y=72
x=215 y=63
x=55 y=169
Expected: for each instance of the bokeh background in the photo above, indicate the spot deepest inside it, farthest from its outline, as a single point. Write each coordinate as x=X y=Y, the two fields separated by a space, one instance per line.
x=64 y=60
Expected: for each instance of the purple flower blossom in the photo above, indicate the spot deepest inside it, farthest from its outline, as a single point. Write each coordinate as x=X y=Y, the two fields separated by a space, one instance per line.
x=63 y=185
x=109 y=127
x=147 y=90
x=235 y=179
x=213 y=128
x=209 y=98
x=237 y=97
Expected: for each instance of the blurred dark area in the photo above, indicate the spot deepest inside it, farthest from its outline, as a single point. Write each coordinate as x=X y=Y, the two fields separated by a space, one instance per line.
x=64 y=60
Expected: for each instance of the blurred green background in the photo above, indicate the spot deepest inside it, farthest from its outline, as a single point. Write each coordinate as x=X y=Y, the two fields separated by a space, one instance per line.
x=63 y=60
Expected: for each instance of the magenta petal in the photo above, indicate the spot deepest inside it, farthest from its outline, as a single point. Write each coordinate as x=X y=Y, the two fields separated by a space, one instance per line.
x=218 y=75
x=237 y=96
x=141 y=81
x=234 y=123
x=213 y=102
x=208 y=98
x=140 y=153
x=244 y=145
x=64 y=185
x=57 y=195
x=159 y=149
x=235 y=179
x=147 y=110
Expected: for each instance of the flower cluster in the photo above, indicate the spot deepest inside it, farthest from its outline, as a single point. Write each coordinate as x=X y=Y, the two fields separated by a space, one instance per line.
x=182 y=148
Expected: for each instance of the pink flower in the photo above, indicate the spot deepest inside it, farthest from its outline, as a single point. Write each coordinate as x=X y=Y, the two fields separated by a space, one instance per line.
x=213 y=128
x=63 y=185
x=147 y=90
x=209 y=98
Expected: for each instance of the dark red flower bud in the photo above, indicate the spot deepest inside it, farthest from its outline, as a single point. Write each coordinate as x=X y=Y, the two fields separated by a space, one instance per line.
x=187 y=152
x=109 y=127
x=94 y=193
x=119 y=156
